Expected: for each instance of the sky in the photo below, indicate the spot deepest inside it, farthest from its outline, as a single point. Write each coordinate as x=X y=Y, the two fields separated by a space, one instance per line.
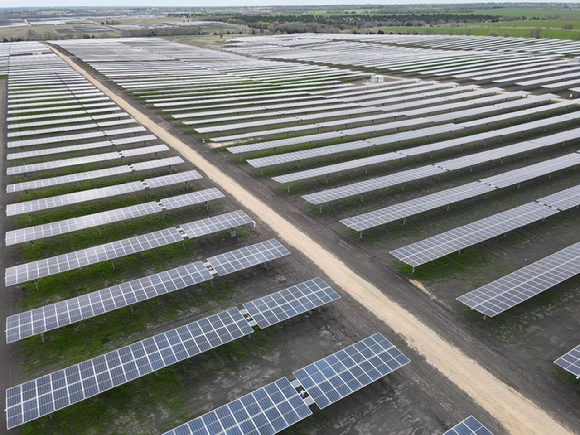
x=208 y=3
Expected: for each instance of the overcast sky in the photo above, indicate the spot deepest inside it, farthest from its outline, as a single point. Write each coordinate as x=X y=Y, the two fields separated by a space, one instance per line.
x=206 y=3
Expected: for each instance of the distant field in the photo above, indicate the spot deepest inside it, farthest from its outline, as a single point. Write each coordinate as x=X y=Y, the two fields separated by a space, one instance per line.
x=555 y=24
x=530 y=12
x=484 y=31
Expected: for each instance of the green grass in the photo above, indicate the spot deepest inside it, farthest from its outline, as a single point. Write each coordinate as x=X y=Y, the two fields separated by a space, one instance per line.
x=91 y=337
x=454 y=265
x=529 y=12
x=137 y=407
x=484 y=31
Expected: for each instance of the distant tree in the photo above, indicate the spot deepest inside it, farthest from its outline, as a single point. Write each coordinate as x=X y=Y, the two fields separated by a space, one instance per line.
x=380 y=32
x=568 y=26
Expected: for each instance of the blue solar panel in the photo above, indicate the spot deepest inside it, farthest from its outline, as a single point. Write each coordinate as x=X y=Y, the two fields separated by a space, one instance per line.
x=469 y=426
x=570 y=361
x=290 y=302
x=265 y=411
x=348 y=370
x=60 y=389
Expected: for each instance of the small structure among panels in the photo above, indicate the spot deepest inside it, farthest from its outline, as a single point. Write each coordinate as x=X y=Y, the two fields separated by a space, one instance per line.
x=469 y=426
x=346 y=371
x=290 y=302
x=510 y=290
x=268 y=410
x=247 y=256
x=570 y=361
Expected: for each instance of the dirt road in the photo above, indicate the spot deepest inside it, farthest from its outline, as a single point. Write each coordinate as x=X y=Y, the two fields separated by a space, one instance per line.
x=514 y=411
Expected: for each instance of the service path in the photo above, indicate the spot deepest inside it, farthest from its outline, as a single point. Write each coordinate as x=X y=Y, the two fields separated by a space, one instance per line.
x=515 y=412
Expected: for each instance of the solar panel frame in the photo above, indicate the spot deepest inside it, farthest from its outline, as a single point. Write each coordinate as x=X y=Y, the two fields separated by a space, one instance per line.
x=72 y=198
x=415 y=206
x=74 y=224
x=191 y=198
x=166 y=180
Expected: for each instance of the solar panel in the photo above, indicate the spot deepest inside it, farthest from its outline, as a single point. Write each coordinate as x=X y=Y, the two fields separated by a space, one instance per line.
x=348 y=370
x=74 y=224
x=24 y=169
x=469 y=426
x=71 y=178
x=570 y=361
x=58 y=150
x=63 y=388
x=146 y=150
x=86 y=257
x=458 y=238
x=73 y=137
x=414 y=206
x=530 y=172
x=215 y=224
x=268 y=410
x=290 y=302
x=190 y=198
x=373 y=184
x=166 y=180
x=53 y=316
x=563 y=200
x=152 y=164
x=72 y=198
x=510 y=290
x=247 y=256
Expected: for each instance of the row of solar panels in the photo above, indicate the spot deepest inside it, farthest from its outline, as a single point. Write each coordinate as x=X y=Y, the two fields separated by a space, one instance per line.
x=65 y=387
x=100 y=192
x=85 y=257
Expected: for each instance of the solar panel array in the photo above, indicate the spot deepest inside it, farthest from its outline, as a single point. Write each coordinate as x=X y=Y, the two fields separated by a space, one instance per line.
x=278 y=405
x=290 y=302
x=53 y=316
x=414 y=206
x=268 y=410
x=341 y=374
x=469 y=426
x=215 y=224
x=65 y=387
x=513 y=289
x=102 y=192
x=49 y=393
x=86 y=257
x=459 y=238
x=570 y=361
x=248 y=256
x=74 y=224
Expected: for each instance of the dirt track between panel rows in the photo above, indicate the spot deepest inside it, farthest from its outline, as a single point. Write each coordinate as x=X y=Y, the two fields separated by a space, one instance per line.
x=515 y=412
